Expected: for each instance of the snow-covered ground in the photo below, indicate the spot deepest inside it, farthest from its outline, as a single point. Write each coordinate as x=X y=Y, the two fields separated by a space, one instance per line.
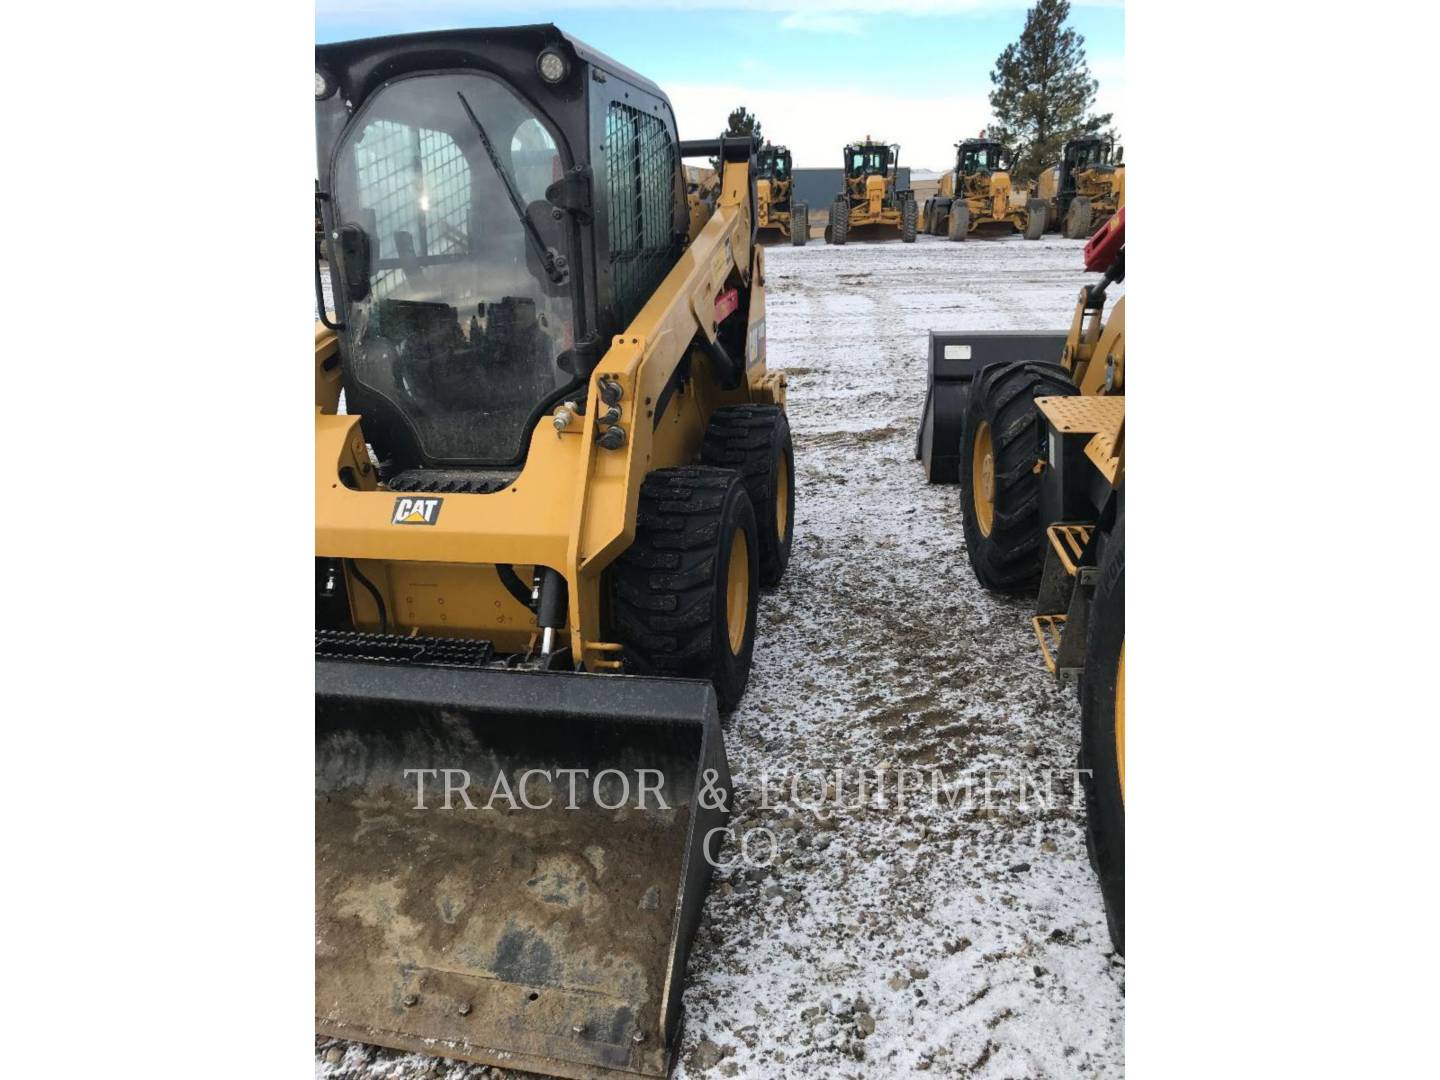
x=963 y=940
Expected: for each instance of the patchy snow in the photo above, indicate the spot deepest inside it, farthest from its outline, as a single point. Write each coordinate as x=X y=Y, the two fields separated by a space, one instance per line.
x=941 y=940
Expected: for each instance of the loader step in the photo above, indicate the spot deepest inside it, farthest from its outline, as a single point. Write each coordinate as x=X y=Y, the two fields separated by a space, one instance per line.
x=1050 y=629
x=1068 y=543
x=399 y=649
x=1084 y=414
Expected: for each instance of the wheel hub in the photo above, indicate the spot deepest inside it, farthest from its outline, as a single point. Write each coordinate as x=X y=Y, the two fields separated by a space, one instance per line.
x=782 y=497
x=737 y=592
x=982 y=478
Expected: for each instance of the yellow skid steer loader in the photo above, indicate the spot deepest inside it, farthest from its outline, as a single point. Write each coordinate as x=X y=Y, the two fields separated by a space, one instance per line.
x=552 y=472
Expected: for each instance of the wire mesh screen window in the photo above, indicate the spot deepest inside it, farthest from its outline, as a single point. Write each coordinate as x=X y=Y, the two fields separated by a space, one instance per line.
x=640 y=161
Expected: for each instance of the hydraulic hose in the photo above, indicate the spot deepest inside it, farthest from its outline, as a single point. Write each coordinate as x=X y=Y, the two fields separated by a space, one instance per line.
x=374 y=593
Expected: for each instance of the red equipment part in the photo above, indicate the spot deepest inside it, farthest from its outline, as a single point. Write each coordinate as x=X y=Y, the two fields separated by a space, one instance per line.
x=1105 y=245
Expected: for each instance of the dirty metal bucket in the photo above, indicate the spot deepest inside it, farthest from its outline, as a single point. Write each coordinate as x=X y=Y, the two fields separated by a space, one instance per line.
x=550 y=940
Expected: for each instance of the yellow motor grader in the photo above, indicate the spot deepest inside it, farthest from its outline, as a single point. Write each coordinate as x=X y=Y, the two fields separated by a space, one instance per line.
x=775 y=208
x=975 y=198
x=552 y=472
x=1038 y=448
x=1080 y=194
x=871 y=195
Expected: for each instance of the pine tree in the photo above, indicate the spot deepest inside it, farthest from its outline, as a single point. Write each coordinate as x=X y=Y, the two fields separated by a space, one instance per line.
x=743 y=123
x=1043 y=90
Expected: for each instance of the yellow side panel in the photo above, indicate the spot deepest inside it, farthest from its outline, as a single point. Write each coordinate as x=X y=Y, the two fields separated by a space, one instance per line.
x=444 y=599
x=327 y=369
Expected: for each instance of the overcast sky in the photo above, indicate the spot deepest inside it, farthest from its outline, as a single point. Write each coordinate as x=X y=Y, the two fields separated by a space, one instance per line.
x=818 y=74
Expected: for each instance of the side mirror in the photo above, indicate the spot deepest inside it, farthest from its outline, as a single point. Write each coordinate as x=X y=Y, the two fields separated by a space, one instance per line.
x=355 y=261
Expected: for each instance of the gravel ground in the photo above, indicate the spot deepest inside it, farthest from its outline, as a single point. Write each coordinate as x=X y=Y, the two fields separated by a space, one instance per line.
x=937 y=938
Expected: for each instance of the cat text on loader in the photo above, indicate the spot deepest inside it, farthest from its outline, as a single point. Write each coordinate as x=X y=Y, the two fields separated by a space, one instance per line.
x=561 y=476
x=872 y=195
x=1038 y=448
x=1084 y=191
x=974 y=198
x=774 y=185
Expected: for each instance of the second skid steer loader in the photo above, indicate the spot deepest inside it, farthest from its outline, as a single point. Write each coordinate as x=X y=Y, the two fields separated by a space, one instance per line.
x=552 y=472
x=1032 y=427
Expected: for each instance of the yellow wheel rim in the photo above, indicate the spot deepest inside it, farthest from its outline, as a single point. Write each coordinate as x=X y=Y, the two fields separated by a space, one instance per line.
x=782 y=497
x=737 y=591
x=1120 y=722
x=982 y=478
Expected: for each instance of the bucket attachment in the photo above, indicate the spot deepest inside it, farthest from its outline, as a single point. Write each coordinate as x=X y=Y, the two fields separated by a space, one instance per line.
x=956 y=357
x=541 y=922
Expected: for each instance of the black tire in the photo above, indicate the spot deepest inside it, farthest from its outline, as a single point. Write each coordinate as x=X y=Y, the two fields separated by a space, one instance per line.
x=1101 y=745
x=799 y=224
x=959 y=220
x=754 y=440
x=1077 y=218
x=1007 y=557
x=839 y=221
x=939 y=214
x=907 y=221
x=1036 y=211
x=668 y=589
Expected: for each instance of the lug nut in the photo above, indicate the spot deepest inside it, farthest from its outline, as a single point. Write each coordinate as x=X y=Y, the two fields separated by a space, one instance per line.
x=465 y=1009
x=410 y=999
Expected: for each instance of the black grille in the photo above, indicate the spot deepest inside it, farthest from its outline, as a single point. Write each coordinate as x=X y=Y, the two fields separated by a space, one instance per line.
x=398 y=649
x=449 y=482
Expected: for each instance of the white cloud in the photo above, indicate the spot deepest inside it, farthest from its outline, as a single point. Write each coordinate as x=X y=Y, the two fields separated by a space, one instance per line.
x=926 y=129
x=821 y=23
x=1107 y=68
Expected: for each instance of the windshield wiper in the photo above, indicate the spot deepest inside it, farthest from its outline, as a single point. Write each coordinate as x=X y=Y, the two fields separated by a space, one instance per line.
x=552 y=267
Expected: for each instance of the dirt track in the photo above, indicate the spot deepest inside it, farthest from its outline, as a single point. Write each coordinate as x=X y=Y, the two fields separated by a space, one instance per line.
x=941 y=940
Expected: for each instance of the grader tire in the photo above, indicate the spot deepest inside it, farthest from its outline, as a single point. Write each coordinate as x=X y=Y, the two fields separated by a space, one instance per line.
x=1003 y=440
x=1036 y=211
x=1077 y=219
x=754 y=440
x=959 y=220
x=1102 y=732
x=799 y=224
x=839 y=221
x=683 y=595
x=907 y=221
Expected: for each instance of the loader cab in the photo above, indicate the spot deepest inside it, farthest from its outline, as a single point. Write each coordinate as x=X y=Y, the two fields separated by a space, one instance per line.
x=497 y=204
x=981 y=156
x=1082 y=154
x=869 y=159
x=772 y=163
